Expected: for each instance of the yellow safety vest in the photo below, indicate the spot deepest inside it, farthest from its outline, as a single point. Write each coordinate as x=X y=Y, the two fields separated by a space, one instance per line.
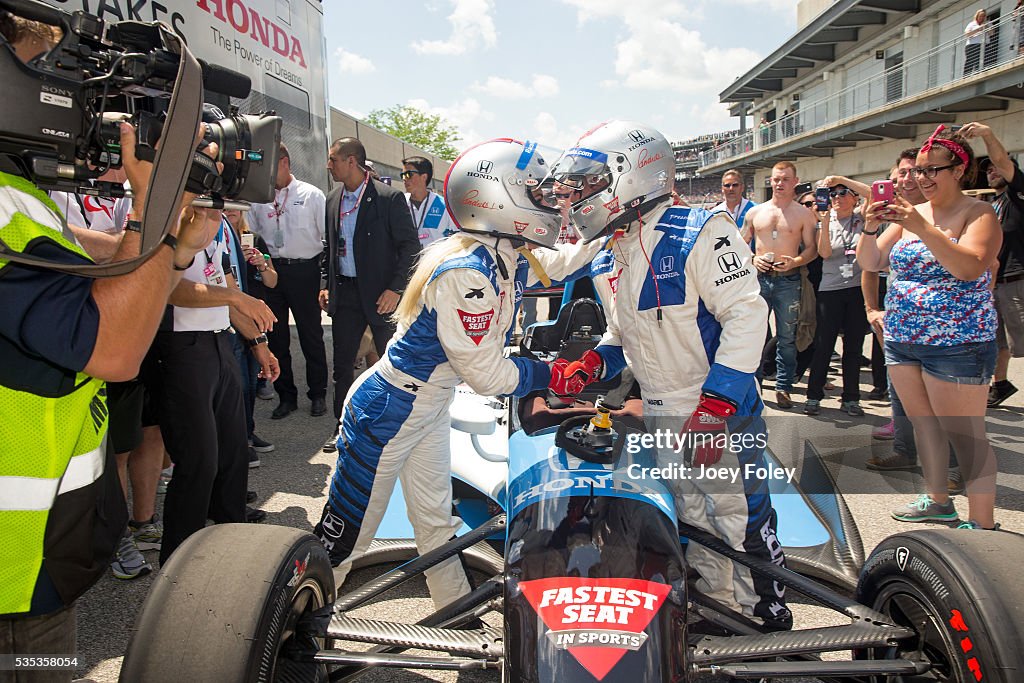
x=50 y=446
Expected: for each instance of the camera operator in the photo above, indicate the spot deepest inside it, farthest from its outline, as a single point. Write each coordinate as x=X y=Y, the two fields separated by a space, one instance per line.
x=61 y=337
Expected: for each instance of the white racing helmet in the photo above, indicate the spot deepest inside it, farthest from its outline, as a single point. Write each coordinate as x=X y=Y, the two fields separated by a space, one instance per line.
x=493 y=188
x=613 y=172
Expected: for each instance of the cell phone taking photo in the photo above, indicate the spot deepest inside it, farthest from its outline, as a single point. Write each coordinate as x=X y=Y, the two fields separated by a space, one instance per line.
x=882 y=191
x=821 y=199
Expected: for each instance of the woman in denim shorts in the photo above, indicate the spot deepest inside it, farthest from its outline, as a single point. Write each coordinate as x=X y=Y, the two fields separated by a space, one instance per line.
x=940 y=323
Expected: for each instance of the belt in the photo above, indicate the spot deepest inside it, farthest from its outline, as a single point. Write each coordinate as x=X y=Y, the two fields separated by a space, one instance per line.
x=1009 y=278
x=294 y=261
x=346 y=280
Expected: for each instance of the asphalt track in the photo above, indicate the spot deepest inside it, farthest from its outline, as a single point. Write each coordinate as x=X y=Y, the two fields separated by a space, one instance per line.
x=292 y=484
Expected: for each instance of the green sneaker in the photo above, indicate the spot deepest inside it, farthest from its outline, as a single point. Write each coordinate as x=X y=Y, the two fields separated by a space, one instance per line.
x=924 y=509
x=971 y=524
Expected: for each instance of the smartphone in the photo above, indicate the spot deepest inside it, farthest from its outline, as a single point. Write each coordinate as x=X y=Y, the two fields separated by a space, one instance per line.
x=955 y=128
x=882 y=191
x=822 y=199
x=248 y=240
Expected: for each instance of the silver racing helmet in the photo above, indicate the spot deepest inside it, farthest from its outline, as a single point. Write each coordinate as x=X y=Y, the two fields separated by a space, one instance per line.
x=494 y=188
x=611 y=173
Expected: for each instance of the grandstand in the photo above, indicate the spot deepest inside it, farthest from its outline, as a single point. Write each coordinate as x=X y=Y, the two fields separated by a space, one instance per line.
x=689 y=184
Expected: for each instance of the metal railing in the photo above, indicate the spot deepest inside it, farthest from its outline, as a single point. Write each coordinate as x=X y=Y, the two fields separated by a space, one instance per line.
x=951 y=61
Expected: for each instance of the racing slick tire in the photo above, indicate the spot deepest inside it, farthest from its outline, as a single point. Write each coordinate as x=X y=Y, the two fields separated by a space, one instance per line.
x=961 y=591
x=226 y=605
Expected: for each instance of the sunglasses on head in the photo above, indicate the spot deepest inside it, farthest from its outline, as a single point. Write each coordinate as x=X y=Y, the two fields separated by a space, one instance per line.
x=405 y=175
x=841 y=192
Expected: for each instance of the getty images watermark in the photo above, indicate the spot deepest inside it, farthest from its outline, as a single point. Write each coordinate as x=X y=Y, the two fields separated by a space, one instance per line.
x=668 y=440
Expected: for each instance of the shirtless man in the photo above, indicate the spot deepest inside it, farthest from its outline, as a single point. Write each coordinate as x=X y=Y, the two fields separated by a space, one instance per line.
x=780 y=227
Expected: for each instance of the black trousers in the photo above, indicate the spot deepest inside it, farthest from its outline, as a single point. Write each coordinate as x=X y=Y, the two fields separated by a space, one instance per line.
x=972 y=58
x=202 y=421
x=840 y=310
x=298 y=289
x=347 y=329
x=879 y=375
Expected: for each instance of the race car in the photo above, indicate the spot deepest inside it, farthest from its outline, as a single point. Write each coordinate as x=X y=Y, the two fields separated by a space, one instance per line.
x=586 y=565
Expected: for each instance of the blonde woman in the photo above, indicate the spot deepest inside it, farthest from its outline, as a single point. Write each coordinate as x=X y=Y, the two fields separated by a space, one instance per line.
x=454 y=320
x=978 y=34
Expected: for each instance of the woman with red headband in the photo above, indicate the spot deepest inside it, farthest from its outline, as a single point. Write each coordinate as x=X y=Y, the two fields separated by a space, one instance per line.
x=940 y=323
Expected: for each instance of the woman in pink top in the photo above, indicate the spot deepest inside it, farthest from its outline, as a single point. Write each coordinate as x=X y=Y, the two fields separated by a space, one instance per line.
x=940 y=323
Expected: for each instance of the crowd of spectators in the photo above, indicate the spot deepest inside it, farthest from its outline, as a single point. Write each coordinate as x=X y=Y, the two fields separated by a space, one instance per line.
x=931 y=274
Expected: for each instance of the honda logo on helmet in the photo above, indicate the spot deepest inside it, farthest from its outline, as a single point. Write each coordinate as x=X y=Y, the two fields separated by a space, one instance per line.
x=483 y=171
x=639 y=139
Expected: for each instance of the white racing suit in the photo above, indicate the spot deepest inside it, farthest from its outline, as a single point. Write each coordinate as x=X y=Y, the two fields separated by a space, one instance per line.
x=395 y=423
x=432 y=221
x=709 y=338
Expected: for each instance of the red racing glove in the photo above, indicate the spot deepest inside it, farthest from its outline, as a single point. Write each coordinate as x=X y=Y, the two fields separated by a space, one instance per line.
x=706 y=428
x=569 y=379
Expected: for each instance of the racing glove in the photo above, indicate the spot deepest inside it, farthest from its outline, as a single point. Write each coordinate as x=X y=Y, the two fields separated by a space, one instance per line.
x=569 y=379
x=706 y=428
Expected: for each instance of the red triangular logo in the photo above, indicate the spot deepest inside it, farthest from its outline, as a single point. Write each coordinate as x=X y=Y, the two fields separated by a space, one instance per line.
x=476 y=324
x=596 y=620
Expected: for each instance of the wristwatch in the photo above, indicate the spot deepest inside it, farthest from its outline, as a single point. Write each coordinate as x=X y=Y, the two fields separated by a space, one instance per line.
x=253 y=343
x=172 y=241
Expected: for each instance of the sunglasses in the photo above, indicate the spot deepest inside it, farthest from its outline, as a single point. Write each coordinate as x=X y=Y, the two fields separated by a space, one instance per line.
x=405 y=175
x=729 y=186
x=931 y=171
x=842 y=192
x=809 y=205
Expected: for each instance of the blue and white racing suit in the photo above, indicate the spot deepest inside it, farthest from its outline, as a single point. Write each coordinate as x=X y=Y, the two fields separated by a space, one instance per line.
x=395 y=422
x=432 y=220
x=689 y=317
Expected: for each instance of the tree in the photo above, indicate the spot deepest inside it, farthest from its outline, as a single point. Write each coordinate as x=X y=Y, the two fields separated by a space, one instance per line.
x=429 y=132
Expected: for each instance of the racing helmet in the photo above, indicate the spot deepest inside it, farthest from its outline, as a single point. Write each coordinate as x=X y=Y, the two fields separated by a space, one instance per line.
x=493 y=188
x=613 y=170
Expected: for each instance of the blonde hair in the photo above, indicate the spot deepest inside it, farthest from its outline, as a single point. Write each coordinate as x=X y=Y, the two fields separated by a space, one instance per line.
x=433 y=256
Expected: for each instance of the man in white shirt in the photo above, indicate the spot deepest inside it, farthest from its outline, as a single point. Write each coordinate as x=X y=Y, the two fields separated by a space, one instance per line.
x=734 y=204
x=429 y=216
x=200 y=408
x=293 y=228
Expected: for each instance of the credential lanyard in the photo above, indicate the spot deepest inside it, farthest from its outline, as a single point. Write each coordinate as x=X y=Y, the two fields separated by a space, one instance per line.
x=424 y=207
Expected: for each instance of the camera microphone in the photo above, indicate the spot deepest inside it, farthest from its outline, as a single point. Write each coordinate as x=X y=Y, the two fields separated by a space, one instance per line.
x=225 y=81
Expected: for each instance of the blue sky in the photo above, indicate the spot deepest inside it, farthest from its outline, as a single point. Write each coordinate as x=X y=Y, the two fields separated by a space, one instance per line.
x=550 y=69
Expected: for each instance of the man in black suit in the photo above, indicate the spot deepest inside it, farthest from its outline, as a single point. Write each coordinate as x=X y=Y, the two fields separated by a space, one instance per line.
x=371 y=250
